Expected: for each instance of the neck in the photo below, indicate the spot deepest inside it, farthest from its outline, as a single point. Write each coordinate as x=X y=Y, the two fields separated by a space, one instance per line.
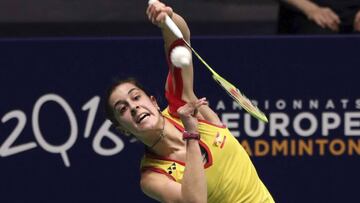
x=161 y=135
x=168 y=141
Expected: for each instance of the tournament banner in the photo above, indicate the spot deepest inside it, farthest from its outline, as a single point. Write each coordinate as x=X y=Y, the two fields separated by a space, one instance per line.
x=57 y=146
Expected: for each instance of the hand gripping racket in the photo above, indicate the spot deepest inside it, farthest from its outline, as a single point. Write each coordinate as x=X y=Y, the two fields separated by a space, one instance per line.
x=234 y=92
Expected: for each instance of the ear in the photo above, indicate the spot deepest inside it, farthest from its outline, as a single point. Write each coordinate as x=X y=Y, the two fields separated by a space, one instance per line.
x=153 y=100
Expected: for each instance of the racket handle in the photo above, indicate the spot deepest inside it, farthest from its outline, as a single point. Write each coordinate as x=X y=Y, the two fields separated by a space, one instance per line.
x=170 y=24
x=173 y=27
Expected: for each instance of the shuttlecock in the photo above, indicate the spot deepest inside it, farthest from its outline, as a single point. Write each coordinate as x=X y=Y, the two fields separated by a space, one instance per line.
x=180 y=57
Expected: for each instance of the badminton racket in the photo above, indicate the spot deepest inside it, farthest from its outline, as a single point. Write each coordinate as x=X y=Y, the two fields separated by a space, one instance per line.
x=234 y=92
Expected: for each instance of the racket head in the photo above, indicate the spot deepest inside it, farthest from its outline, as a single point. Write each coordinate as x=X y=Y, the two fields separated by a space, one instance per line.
x=240 y=98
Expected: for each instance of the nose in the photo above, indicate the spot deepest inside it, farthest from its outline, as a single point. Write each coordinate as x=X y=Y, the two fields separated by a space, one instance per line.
x=134 y=109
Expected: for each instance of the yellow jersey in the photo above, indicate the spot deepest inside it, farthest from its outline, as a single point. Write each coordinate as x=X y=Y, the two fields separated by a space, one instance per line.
x=231 y=177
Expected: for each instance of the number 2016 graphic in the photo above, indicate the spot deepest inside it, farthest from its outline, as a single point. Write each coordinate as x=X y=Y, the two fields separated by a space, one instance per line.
x=8 y=148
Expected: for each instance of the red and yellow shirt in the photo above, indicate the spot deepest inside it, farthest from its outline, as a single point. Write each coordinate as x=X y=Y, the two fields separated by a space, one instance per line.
x=231 y=176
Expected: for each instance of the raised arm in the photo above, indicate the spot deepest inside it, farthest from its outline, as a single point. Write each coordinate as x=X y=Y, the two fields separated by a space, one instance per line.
x=180 y=82
x=156 y=13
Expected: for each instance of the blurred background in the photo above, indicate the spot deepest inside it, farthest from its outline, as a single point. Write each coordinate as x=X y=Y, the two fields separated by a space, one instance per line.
x=127 y=18
x=57 y=58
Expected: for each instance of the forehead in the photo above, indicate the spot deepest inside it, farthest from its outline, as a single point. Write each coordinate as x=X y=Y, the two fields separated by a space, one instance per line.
x=122 y=91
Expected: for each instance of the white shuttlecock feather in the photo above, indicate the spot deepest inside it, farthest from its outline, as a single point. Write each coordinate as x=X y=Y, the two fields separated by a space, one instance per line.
x=180 y=57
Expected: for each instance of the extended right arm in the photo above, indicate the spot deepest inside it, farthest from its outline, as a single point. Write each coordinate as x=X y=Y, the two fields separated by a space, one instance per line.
x=182 y=78
x=193 y=187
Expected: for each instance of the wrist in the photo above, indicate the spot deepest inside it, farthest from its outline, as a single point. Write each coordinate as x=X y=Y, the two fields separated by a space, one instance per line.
x=191 y=135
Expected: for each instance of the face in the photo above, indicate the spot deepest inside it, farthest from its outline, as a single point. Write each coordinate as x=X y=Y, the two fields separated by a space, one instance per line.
x=136 y=112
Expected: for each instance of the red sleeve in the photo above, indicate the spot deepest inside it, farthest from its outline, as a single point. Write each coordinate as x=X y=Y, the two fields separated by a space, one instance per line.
x=174 y=82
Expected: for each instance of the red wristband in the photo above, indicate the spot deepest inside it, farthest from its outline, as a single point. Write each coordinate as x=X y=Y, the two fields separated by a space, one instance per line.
x=188 y=136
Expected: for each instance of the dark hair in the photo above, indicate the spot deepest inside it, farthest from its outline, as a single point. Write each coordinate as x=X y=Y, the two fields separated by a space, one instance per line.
x=109 y=110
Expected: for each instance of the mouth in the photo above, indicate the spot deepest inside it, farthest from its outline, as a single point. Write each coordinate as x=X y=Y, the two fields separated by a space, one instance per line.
x=141 y=117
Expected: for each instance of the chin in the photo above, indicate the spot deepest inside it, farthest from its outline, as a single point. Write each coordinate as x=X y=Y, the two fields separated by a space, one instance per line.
x=149 y=125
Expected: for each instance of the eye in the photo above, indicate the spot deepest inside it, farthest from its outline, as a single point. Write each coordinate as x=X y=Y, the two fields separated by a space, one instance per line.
x=137 y=97
x=122 y=109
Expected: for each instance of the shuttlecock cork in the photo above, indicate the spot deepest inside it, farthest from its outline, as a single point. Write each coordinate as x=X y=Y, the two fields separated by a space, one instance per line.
x=180 y=57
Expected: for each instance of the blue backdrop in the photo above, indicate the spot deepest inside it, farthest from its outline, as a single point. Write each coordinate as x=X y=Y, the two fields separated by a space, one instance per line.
x=56 y=145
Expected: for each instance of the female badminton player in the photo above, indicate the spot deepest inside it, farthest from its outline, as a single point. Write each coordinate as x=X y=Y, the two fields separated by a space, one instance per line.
x=190 y=155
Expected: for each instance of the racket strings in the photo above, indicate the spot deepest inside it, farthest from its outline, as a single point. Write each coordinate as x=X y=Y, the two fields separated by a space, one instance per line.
x=234 y=92
x=240 y=98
